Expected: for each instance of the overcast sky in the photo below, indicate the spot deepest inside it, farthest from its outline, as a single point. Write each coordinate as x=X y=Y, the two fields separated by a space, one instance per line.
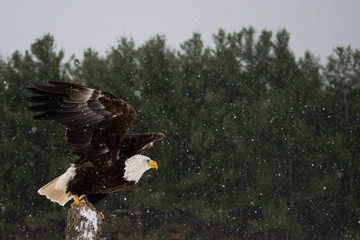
x=315 y=25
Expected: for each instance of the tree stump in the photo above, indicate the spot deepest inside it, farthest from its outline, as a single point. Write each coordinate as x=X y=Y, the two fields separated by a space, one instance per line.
x=83 y=223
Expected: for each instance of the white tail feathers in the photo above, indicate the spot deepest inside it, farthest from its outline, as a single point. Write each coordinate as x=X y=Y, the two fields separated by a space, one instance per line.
x=56 y=189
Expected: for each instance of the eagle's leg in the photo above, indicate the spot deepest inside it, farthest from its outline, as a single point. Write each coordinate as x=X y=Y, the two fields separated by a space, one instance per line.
x=76 y=201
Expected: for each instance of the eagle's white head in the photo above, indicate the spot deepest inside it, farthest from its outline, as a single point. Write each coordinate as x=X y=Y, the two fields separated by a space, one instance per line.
x=136 y=166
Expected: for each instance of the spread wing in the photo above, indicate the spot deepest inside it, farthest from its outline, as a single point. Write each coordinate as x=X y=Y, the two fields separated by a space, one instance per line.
x=95 y=121
x=140 y=142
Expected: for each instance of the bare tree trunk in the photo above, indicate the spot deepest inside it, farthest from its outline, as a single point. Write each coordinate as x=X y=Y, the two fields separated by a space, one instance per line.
x=83 y=223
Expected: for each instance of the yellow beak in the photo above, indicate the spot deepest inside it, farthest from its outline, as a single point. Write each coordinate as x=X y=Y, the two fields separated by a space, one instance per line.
x=153 y=164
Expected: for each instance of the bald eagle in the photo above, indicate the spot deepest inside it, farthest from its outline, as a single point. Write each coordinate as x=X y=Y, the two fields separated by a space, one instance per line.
x=96 y=122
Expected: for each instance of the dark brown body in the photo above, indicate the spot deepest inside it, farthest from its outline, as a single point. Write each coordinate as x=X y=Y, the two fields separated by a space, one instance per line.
x=90 y=179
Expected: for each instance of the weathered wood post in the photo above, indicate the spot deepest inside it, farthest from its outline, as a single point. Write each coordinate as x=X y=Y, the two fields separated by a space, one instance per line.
x=83 y=223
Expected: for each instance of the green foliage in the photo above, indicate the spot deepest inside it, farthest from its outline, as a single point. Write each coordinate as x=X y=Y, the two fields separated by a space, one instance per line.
x=258 y=145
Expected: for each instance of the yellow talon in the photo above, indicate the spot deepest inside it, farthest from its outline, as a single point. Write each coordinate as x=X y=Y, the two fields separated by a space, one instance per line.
x=76 y=201
x=101 y=215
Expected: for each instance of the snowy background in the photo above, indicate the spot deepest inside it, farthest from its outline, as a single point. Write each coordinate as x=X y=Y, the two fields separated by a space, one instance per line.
x=315 y=25
x=262 y=138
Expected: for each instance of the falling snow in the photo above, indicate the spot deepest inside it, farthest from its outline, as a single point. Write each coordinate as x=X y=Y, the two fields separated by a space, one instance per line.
x=259 y=144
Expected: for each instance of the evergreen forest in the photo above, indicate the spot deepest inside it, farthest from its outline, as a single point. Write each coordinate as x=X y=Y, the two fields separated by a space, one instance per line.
x=260 y=143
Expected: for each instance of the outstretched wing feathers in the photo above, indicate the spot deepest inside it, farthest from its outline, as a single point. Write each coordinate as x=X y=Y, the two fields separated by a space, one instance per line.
x=71 y=94
x=95 y=121
x=79 y=137
x=138 y=143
